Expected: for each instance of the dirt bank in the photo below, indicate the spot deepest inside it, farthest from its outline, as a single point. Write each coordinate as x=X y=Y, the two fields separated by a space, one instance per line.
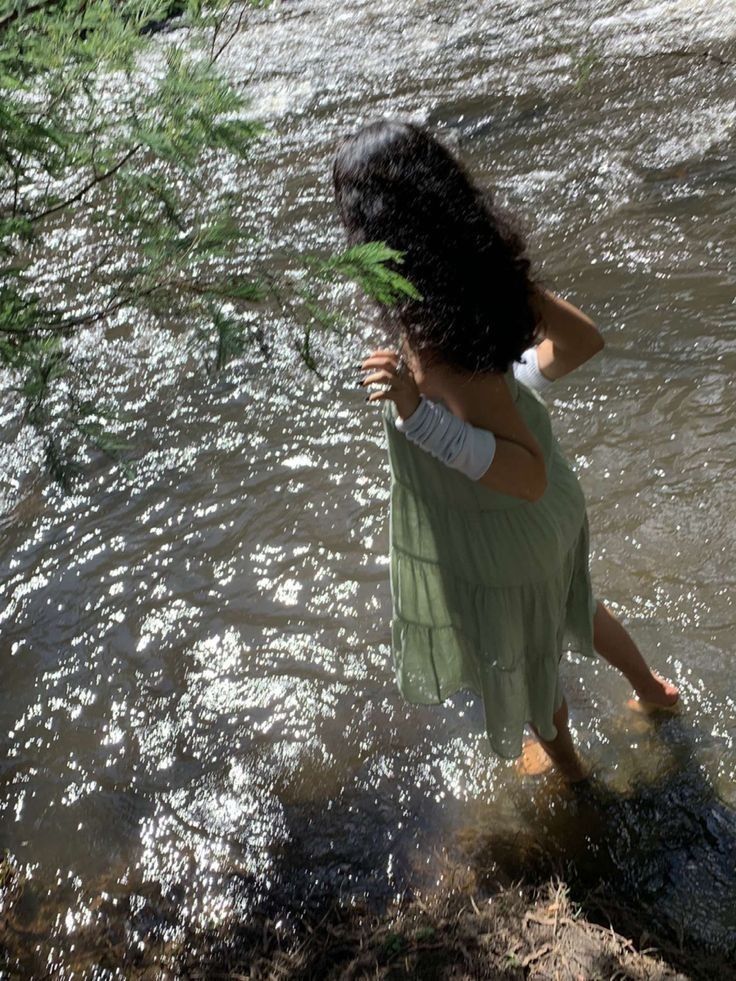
x=460 y=931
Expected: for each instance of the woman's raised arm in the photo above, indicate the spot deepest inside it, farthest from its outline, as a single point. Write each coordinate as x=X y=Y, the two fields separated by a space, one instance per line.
x=570 y=337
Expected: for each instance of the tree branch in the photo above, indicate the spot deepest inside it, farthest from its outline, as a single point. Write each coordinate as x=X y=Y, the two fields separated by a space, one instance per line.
x=98 y=179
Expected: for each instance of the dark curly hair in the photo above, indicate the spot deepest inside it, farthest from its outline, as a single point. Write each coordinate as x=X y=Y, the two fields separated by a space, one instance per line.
x=396 y=183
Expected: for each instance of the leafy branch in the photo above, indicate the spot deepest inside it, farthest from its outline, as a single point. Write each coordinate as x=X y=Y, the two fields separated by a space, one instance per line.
x=113 y=135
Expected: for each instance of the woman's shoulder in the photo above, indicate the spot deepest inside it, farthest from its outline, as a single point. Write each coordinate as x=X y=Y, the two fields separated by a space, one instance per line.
x=479 y=398
x=490 y=400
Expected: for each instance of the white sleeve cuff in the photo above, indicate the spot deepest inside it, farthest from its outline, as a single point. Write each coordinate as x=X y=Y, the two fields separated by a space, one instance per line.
x=417 y=421
x=528 y=373
x=441 y=433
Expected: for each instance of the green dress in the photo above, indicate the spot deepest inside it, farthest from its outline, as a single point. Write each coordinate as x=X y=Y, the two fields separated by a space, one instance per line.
x=487 y=589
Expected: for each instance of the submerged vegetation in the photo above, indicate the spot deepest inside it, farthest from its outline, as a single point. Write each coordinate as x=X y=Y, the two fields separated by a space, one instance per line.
x=109 y=137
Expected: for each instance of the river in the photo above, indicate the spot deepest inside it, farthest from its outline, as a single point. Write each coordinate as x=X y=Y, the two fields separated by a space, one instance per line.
x=198 y=701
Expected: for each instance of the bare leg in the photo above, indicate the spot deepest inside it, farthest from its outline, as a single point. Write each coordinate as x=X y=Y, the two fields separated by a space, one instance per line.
x=561 y=750
x=614 y=644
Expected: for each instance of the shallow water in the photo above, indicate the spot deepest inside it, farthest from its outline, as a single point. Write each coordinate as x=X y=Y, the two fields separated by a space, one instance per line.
x=197 y=688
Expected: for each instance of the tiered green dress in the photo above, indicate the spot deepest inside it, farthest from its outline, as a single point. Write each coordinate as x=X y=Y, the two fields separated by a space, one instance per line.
x=487 y=589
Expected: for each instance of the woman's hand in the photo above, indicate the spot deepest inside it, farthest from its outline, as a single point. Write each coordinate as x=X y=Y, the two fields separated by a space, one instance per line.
x=390 y=369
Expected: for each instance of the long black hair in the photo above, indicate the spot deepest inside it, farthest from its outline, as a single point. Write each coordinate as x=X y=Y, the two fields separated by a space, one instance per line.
x=396 y=183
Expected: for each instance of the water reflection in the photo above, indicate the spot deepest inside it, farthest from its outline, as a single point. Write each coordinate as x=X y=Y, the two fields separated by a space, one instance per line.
x=199 y=708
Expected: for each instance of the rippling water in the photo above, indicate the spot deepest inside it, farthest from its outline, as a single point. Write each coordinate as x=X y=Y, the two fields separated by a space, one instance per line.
x=197 y=693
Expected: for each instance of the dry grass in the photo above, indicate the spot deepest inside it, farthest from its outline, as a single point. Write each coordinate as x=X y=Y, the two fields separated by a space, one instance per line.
x=459 y=932
x=514 y=934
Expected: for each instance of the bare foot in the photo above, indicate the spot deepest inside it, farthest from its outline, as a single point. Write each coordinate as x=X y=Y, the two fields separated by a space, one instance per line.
x=656 y=695
x=533 y=761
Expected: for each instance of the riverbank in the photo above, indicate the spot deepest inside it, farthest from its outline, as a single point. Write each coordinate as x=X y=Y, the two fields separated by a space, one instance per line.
x=460 y=931
x=515 y=933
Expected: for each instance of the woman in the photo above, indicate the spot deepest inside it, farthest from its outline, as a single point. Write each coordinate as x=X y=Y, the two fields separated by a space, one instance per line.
x=488 y=528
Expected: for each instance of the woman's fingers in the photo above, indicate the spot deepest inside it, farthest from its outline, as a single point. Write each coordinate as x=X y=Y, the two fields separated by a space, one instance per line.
x=380 y=394
x=383 y=351
x=381 y=358
x=384 y=377
x=384 y=365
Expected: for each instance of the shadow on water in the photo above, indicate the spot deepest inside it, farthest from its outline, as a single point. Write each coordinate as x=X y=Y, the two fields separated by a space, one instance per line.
x=355 y=850
x=351 y=848
x=656 y=862
x=340 y=857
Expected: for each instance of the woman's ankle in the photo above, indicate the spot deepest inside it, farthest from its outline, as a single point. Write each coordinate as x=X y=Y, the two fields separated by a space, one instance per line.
x=574 y=772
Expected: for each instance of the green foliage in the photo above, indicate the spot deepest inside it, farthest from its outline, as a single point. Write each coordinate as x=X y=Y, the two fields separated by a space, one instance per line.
x=371 y=265
x=186 y=114
x=393 y=945
x=89 y=141
x=110 y=131
x=222 y=337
